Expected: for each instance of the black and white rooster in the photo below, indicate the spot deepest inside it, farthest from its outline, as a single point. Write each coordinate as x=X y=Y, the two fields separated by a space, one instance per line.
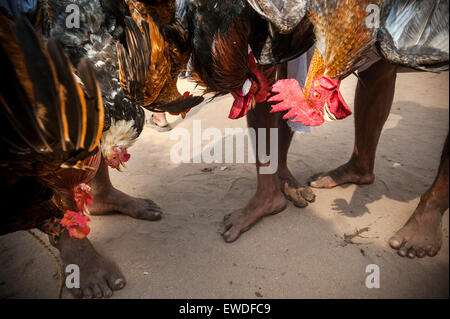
x=101 y=27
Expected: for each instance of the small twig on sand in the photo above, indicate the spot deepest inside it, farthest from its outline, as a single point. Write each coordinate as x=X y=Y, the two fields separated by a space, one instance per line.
x=348 y=239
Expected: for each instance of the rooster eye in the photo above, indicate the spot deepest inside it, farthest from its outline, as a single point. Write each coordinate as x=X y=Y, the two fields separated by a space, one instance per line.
x=316 y=95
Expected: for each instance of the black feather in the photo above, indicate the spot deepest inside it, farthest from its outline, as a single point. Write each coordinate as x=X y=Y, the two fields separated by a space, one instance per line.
x=135 y=61
x=46 y=87
x=34 y=144
x=75 y=108
x=94 y=104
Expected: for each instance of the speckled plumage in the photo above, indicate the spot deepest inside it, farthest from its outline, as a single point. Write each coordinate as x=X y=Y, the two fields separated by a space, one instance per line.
x=100 y=30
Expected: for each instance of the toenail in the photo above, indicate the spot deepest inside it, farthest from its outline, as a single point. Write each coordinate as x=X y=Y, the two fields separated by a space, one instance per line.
x=119 y=283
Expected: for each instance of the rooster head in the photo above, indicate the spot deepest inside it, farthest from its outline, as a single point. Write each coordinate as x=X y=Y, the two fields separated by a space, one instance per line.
x=76 y=224
x=76 y=221
x=256 y=89
x=323 y=103
x=325 y=96
x=117 y=156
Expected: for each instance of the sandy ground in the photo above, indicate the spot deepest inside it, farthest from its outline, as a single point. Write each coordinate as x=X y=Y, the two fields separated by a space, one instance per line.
x=295 y=254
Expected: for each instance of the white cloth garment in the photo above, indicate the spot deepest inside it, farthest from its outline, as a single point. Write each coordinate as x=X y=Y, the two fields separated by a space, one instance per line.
x=298 y=69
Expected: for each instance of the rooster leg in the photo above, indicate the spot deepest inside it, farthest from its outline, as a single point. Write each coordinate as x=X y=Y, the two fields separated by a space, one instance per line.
x=268 y=199
x=373 y=100
x=98 y=276
x=108 y=199
x=422 y=234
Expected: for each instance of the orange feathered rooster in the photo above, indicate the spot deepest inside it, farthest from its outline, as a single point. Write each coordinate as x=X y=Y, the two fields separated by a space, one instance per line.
x=51 y=125
x=157 y=52
x=342 y=37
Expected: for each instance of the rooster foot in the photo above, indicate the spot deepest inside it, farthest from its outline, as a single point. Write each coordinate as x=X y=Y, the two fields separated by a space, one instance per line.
x=98 y=276
x=299 y=195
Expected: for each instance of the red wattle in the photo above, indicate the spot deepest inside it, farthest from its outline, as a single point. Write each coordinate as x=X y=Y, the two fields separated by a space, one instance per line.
x=241 y=106
x=336 y=103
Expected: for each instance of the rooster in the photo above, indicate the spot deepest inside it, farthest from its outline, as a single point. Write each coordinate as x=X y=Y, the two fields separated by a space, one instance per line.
x=151 y=62
x=221 y=62
x=342 y=38
x=412 y=34
x=101 y=27
x=222 y=32
x=51 y=129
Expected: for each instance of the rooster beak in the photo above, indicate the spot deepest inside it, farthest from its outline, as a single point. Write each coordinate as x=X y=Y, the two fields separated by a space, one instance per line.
x=327 y=115
x=87 y=212
x=119 y=169
x=253 y=103
x=123 y=164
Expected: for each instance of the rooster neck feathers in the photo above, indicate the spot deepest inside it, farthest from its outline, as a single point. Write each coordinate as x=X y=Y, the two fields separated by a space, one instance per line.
x=342 y=34
x=121 y=133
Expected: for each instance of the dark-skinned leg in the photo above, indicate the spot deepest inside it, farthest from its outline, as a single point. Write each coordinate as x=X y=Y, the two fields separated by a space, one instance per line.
x=269 y=197
x=373 y=101
x=99 y=277
x=291 y=188
x=422 y=233
x=108 y=199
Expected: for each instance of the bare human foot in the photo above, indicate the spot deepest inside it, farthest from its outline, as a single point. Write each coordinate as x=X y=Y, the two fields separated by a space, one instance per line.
x=108 y=199
x=373 y=100
x=344 y=174
x=299 y=195
x=115 y=200
x=422 y=234
x=263 y=203
x=159 y=122
x=98 y=276
x=160 y=119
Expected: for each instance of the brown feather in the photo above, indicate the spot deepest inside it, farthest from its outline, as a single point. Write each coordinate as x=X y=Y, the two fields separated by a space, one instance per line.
x=9 y=44
x=342 y=34
x=230 y=57
x=160 y=67
x=162 y=10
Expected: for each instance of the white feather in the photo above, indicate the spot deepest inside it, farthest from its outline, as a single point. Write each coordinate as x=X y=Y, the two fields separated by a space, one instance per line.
x=121 y=133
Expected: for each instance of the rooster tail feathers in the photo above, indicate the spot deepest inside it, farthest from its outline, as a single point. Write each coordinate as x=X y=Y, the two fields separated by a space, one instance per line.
x=134 y=62
x=44 y=123
x=75 y=104
x=94 y=105
x=20 y=127
x=48 y=93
